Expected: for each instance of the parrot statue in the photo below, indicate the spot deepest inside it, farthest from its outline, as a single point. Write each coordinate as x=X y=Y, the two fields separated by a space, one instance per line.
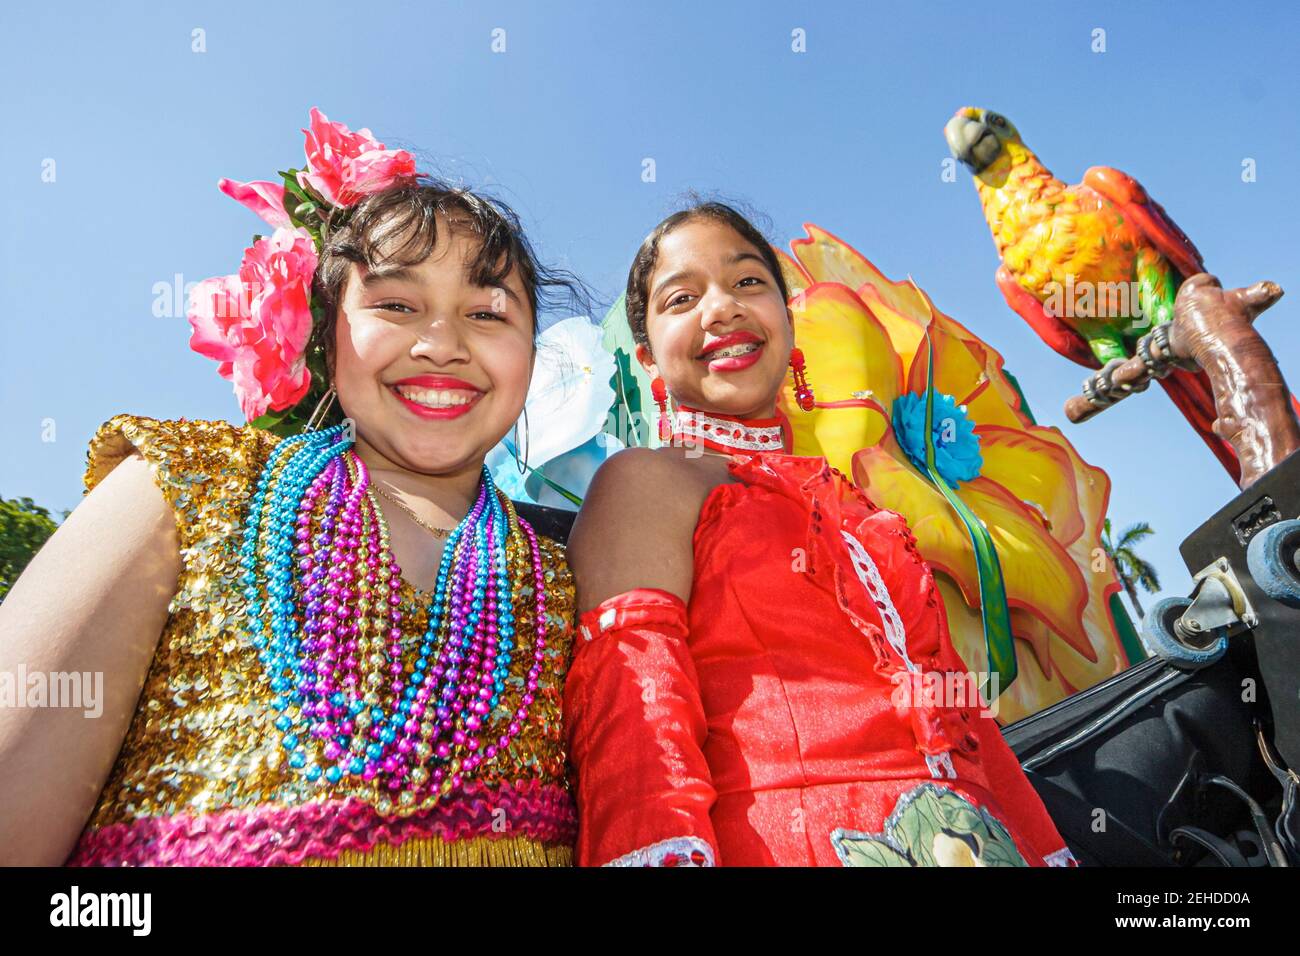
x=1105 y=236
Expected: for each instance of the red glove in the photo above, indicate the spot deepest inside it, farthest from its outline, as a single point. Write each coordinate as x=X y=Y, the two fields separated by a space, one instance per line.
x=635 y=730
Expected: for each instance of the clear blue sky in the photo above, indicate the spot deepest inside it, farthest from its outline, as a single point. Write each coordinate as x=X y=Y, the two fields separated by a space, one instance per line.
x=847 y=135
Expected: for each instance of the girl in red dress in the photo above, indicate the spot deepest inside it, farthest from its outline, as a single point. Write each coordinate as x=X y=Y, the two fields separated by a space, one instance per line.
x=753 y=628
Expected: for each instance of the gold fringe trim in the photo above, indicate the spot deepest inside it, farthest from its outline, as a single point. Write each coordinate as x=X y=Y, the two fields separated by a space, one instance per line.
x=476 y=851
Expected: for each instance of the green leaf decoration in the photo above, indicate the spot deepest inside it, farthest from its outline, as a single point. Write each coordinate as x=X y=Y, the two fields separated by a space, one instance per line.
x=302 y=205
x=996 y=854
x=868 y=852
x=626 y=417
x=294 y=193
x=925 y=820
x=963 y=818
x=917 y=828
x=998 y=849
x=274 y=422
x=541 y=474
x=632 y=417
x=994 y=611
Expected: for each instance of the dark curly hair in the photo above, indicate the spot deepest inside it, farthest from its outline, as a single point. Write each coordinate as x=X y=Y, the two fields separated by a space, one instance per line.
x=647 y=257
x=399 y=226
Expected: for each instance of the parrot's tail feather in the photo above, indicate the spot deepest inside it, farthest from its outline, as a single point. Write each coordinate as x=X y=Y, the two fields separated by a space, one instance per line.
x=1195 y=399
x=1188 y=391
x=1199 y=388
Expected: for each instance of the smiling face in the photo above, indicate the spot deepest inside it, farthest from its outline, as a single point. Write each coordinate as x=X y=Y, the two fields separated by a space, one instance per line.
x=433 y=369
x=719 y=329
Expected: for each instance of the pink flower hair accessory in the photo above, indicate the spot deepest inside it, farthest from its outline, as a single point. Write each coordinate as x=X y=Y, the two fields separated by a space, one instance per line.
x=343 y=166
x=258 y=323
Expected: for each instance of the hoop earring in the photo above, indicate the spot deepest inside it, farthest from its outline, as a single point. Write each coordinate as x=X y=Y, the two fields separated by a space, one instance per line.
x=522 y=465
x=660 y=392
x=322 y=410
x=803 y=393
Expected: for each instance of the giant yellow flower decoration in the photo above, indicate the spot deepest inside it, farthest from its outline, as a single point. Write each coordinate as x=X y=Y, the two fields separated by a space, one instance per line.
x=863 y=338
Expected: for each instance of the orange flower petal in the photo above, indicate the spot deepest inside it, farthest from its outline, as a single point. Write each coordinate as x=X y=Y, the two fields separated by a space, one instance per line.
x=906 y=332
x=1038 y=572
x=1087 y=552
x=961 y=370
x=826 y=258
x=991 y=361
x=1037 y=685
x=1038 y=472
x=846 y=351
x=796 y=280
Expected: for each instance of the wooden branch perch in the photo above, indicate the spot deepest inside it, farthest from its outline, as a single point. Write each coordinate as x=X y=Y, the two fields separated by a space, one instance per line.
x=1214 y=329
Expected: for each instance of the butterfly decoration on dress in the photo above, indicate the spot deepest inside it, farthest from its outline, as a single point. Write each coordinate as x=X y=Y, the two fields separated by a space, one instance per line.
x=931 y=826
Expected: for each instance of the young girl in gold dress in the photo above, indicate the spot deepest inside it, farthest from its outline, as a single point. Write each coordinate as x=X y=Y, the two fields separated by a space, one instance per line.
x=339 y=646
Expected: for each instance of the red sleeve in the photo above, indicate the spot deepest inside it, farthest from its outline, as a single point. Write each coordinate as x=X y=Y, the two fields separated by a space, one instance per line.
x=635 y=729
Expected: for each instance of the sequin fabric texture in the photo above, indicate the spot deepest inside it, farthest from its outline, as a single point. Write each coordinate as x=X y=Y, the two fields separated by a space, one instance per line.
x=201 y=778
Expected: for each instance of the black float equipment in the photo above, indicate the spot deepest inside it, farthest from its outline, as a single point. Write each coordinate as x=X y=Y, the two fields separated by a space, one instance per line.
x=1186 y=758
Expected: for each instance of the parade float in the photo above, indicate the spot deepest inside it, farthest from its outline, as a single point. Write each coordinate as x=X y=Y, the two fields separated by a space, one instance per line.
x=1179 y=758
x=1183 y=757
x=1186 y=758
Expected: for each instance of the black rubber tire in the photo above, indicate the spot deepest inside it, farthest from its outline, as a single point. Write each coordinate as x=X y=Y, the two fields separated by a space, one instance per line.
x=1271 y=559
x=1158 y=629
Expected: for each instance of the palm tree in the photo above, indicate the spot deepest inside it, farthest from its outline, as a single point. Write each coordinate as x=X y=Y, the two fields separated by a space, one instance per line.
x=1131 y=568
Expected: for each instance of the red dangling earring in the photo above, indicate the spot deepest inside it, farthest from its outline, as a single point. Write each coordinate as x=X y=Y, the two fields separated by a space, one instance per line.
x=803 y=393
x=660 y=393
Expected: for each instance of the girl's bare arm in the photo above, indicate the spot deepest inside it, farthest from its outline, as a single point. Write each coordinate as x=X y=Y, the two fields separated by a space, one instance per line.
x=635 y=528
x=93 y=601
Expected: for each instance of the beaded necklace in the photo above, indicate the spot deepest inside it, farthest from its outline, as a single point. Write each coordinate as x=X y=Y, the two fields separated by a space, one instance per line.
x=325 y=617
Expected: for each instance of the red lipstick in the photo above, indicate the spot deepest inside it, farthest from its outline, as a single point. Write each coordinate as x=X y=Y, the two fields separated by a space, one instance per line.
x=436 y=383
x=439 y=382
x=732 y=363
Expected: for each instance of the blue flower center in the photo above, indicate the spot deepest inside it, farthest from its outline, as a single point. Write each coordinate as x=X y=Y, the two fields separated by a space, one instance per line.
x=957 y=455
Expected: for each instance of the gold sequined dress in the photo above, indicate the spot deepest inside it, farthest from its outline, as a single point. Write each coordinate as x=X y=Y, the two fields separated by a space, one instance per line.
x=201 y=779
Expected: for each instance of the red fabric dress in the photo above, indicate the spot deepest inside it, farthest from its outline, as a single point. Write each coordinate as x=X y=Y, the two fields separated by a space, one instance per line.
x=776 y=720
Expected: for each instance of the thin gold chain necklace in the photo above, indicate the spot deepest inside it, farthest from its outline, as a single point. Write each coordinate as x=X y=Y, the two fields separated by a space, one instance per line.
x=438 y=532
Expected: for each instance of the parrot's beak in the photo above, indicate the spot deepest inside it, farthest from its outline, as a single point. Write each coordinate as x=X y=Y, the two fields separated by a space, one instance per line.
x=971 y=140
